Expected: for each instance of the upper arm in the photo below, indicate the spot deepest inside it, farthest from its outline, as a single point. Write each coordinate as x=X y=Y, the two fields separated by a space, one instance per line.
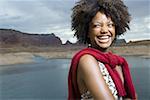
x=93 y=79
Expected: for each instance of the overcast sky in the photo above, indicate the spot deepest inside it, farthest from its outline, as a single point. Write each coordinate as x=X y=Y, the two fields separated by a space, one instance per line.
x=53 y=16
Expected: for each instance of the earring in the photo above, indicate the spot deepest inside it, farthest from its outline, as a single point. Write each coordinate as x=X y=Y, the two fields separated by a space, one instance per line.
x=89 y=45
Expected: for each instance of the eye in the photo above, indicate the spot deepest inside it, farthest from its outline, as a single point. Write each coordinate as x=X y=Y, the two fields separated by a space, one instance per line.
x=110 y=25
x=96 y=25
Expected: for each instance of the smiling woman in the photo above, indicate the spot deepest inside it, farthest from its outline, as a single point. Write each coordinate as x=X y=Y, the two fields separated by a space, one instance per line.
x=96 y=73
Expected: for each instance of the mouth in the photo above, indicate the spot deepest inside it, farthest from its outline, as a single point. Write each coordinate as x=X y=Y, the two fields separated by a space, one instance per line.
x=104 y=38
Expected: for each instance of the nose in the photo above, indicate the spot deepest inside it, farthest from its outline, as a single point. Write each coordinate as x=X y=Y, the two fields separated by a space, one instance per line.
x=104 y=29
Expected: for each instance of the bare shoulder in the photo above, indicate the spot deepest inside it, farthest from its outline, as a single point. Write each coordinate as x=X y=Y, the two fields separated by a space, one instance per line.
x=87 y=62
x=86 y=59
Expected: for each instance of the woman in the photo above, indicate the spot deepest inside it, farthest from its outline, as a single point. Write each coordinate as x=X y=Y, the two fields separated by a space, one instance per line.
x=96 y=73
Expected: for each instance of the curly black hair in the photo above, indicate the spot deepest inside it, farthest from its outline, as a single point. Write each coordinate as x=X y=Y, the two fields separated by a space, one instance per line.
x=85 y=10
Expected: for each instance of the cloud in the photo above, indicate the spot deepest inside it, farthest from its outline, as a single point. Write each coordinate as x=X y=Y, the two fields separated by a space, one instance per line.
x=140 y=23
x=54 y=16
x=138 y=8
x=34 y=15
x=64 y=32
x=140 y=29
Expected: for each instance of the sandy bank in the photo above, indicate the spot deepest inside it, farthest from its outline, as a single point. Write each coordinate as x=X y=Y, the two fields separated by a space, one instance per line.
x=28 y=57
x=15 y=58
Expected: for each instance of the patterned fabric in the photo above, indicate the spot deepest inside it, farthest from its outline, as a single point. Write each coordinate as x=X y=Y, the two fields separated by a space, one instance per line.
x=86 y=96
x=108 y=81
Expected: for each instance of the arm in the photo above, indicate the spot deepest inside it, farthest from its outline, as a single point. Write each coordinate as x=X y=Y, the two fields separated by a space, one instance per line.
x=93 y=78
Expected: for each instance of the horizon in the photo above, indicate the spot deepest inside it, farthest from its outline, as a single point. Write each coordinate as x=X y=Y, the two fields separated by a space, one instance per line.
x=70 y=41
x=53 y=16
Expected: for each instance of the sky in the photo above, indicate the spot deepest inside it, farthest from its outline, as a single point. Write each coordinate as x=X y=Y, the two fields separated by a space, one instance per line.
x=54 y=16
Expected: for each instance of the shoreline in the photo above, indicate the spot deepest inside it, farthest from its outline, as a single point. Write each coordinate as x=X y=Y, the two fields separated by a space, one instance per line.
x=20 y=57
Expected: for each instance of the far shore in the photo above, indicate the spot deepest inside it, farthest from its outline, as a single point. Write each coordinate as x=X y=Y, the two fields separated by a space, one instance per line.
x=19 y=56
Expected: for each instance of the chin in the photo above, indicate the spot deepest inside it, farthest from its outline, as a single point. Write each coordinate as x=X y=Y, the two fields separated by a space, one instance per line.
x=104 y=45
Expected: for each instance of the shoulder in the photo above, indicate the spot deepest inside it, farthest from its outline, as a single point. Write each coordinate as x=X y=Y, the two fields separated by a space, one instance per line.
x=88 y=65
x=85 y=53
x=87 y=59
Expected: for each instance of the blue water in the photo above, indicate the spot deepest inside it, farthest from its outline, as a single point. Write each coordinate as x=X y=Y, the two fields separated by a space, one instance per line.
x=47 y=79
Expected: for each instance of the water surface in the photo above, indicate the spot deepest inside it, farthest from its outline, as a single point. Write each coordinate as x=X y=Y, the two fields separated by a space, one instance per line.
x=47 y=79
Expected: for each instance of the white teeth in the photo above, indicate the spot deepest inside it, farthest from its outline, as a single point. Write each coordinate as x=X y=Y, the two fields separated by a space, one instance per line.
x=104 y=37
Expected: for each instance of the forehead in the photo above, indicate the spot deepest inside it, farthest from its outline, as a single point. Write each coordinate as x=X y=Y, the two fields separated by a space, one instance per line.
x=101 y=17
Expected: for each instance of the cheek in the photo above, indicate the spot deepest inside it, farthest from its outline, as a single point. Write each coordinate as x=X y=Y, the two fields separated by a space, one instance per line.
x=94 y=32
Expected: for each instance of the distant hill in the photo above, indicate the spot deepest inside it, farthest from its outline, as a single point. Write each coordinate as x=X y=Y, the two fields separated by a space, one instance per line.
x=119 y=42
x=14 y=38
x=10 y=37
x=139 y=42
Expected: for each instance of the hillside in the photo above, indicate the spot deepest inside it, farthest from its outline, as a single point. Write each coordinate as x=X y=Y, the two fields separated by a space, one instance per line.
x=10 y=38
x=16 y=41
x=140 y=42
x=14 y=38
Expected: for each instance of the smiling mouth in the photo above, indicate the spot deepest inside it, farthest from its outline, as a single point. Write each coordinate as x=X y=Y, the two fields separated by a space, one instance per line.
x=104 y=38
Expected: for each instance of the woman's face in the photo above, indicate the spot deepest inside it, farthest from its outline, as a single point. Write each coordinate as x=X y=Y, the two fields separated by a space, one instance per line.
x=101 y=31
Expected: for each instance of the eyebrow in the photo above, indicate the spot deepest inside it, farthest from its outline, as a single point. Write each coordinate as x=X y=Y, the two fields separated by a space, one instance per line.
x=101 y=22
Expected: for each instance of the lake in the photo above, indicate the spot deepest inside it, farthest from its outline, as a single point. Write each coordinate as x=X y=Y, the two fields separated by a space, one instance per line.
x=47 y=79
